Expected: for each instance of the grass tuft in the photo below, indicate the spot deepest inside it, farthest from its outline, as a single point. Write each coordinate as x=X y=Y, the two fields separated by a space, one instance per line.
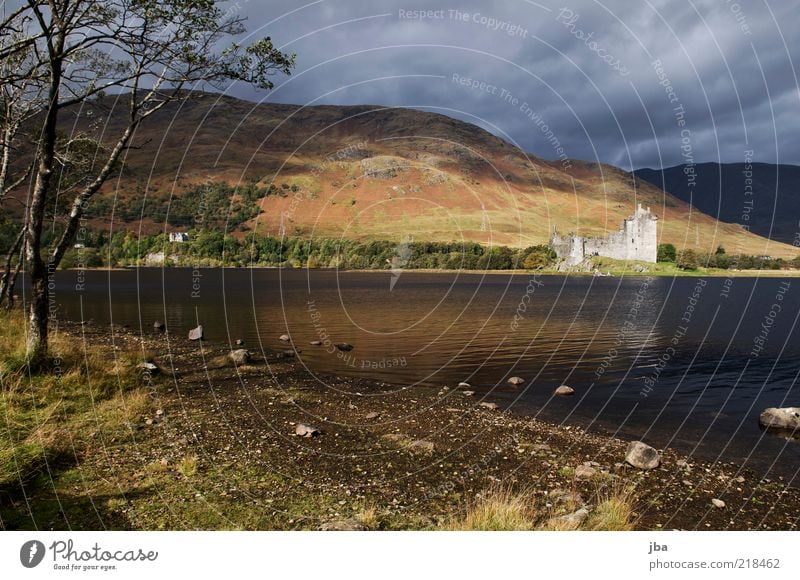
x=50 y=417
x=187 y=466
x=614 y=511
x=498 y=509
x=502 y=509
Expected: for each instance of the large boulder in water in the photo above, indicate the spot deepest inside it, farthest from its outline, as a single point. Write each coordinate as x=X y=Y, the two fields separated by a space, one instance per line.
x=642 y=455
x=196 y=333
x=780 y=418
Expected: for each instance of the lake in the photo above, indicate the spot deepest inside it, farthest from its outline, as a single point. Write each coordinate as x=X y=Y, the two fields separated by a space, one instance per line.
x=684 y=362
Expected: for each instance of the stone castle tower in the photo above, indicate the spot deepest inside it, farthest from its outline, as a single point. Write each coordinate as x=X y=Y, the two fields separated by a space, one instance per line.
x=637 y=239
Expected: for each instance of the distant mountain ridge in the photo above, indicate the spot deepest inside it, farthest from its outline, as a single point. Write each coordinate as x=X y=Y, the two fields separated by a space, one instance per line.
x=761 y=196
x=371 y=172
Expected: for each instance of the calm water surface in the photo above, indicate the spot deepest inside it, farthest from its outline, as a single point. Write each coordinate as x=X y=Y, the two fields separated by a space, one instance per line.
x=682 y=362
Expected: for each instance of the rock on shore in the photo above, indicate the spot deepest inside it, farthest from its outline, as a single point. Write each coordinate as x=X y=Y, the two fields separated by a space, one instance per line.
x=780 y=418
x=642 y=455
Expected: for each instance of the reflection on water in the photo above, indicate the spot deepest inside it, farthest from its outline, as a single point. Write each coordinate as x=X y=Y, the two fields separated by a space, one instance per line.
x=676 y=361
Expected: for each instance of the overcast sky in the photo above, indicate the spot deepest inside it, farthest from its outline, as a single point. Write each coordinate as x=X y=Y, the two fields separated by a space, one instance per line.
x=726 y=82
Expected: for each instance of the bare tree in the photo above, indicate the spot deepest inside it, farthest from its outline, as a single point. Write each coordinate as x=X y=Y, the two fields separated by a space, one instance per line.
x=147 y=51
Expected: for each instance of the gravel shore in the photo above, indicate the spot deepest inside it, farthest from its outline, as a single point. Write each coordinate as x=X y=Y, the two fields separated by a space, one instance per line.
x=217 y=448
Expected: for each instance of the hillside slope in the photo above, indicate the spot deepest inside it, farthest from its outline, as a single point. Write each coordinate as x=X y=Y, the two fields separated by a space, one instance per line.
x=764 y=196
x=369 y=172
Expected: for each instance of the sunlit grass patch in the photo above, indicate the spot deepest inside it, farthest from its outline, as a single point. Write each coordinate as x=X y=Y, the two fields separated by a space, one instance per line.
x=52 y=416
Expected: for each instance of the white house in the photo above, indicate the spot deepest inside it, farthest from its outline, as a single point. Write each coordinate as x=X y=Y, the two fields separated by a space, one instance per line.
x=178 y=237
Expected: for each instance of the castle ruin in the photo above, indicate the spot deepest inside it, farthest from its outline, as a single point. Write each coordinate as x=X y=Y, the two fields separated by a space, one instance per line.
x=636 y=240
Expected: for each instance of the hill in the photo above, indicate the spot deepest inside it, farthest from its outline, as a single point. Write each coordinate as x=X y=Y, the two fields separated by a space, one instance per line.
x=370 y=172
x=763 y=196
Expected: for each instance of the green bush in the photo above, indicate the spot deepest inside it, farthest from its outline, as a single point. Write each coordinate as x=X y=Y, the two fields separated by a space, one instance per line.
x=687 y=260
x=537 y=257
x=666 y=253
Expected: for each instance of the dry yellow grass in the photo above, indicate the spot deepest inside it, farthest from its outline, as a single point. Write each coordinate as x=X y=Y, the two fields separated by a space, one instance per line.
x=502 y=509
x=498 y=509
x=370 y=517
x=187 y=466
x=614 y=511
x=54 y=415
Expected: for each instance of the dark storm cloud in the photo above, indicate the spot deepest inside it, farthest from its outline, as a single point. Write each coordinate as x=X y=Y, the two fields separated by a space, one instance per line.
x=725 y=83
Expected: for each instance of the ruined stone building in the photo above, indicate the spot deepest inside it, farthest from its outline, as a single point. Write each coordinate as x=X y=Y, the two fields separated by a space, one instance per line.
x=636 y=240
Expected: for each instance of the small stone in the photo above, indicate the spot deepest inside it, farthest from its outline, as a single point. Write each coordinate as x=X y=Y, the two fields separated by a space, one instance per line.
x=159 y=412
x=585 y=472
x=344 y=346
x=687 y=482
x=239 y=342
x=564 y=391
x=239 y=356
x=305 y=430
x=718 y=503
x=343 y=526
x=147 y=367
x=468 y=393
x=372 y=415
x=464 y=385
x=158 y=325
x=422 y=446
x=516 y=381
x=285 y=338
x=643 y=456
x=567 y=496
x=541 y=447
x=315 y=343
x=196 y=333
x=574 y=519
x=740 y=479
x=490 y=406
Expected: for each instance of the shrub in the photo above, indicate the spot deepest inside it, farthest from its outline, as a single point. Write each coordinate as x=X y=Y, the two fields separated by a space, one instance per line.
x=687 y=260
x=538 y=257
x=666 y=253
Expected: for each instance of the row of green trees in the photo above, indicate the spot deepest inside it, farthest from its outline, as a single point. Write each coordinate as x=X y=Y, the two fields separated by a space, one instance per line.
x=209 y=247
x=212 y=248
x=691 y=260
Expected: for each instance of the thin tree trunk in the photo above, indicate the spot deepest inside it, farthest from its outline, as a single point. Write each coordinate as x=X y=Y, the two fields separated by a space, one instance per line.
x=12 y=283
x=4 y=281
x=37 y=331
x=38 y=327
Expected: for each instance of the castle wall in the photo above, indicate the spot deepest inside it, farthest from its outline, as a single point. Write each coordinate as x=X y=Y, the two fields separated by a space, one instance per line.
x=637 y=239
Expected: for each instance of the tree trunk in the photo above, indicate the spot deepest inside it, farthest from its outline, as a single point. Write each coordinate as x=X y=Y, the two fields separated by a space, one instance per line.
x=35 y=266
x=5 y=281
x=12 y=283
x=37 y=331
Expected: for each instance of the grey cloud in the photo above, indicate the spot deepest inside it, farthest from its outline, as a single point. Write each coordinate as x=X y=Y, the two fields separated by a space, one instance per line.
x=594 y=109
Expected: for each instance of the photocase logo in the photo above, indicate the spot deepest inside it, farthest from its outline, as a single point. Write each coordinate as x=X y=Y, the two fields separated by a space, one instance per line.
x=31 y=553
x=398 y=262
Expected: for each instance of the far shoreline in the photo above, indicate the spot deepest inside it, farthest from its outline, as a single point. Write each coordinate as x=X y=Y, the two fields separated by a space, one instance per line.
x=616 y=273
